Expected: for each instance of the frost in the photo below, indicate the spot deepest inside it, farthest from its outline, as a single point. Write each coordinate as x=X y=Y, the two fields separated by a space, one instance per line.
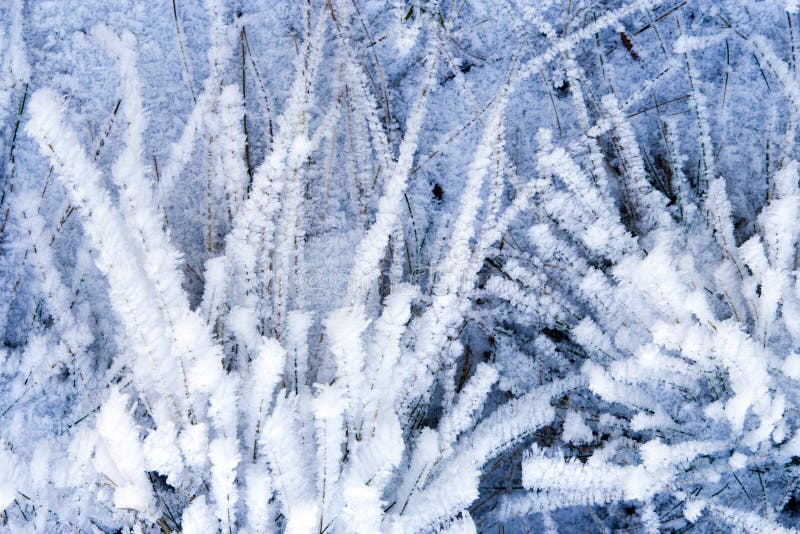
x=197 y=517
x=575 y=430
x=693 y=509
x=387 y=266
x=118 y=455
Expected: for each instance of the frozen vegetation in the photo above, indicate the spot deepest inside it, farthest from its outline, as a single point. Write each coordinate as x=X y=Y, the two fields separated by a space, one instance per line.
x=333 y=266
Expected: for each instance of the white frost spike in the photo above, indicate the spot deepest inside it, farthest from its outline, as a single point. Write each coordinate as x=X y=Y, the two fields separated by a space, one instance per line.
x=224 y=456
x=575 y=430
x=373 y=245
x=258 y=492
x=132 y=296
x=160 y=447
x=198 y=518
x=119 y=457
x=362 y=512
x=468 y=404
x=693 y=509
x=9 y=470
x=298 y=324
x=345 y=327
x=265 y=375
x=328 y=407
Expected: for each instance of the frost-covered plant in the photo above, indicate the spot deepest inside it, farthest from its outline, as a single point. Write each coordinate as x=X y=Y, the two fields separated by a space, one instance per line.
x=373 y=300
